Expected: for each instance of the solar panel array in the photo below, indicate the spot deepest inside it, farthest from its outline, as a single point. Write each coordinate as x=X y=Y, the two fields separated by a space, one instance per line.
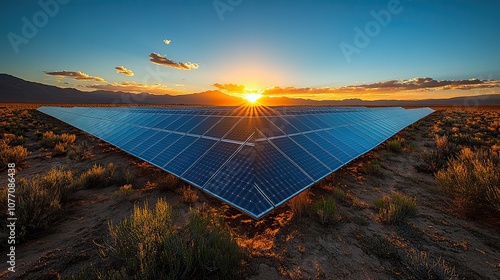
x=254 y=158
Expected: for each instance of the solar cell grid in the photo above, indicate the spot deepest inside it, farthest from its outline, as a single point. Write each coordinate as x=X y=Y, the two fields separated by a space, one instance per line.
x=287 y=148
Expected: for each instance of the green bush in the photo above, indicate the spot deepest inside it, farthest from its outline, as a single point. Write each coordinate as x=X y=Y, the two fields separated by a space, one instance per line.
x=325 y=209
x=473 y=180
x=394 y=146
x=40 y=200
x=373 y=167
x=395 y=208
x=147 y=245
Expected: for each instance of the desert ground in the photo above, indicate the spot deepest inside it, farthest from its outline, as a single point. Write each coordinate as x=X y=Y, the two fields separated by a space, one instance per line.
x=440 y=235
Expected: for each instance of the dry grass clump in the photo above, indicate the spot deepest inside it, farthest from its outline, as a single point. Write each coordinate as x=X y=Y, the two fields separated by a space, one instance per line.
x=395 y=208
x=13 y=140
x=148 y=245
x=168 y=182
x=473 y=180
x=189 y=196
x=80 y=151
x=124 y=191
x=50 y=139
x=325 y=209
x=96 y=177
x=300 y=203
x=420 y=266
x=9 y=154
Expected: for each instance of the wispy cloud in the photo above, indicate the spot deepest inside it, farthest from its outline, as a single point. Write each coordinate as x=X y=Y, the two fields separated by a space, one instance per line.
x=167 y=41
x=75 y=75
x=134 y=87
x=160 y=60
x=124 y=71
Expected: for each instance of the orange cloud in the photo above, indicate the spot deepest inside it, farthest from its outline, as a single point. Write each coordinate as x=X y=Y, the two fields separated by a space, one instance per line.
x=160 y=60
x=387 y=87
x=230 y=88
x=134 y=87
x=75 y=75
x=124 y=71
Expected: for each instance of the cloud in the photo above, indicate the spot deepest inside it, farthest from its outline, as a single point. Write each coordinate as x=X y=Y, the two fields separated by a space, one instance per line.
x=75 y=75
x=230 y=88
x=167 y=41
x=134 y=87
x=389 y=87
x=124 y=71
x=160 y=60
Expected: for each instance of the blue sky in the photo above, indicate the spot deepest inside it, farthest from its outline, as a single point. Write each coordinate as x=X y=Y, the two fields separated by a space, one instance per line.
x=274 y=47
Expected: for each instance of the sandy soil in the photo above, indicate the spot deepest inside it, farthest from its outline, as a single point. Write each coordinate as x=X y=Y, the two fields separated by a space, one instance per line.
x=355 y=245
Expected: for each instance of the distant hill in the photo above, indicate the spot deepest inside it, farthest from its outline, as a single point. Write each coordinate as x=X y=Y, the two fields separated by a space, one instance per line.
x=13 y=89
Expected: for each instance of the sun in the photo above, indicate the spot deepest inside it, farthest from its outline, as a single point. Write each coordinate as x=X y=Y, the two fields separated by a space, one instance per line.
x=252 y=97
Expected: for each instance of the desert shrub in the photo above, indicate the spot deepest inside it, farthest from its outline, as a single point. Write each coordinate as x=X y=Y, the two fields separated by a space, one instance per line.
x=12 y=139
x=473 y=180
x=168 y=182
x=394 y=146
x=96 y=177
x=50 y=139
x=149 y=246
x=129 y=177
x=40 y=200
x=124 y=191
x=324 y=209
x=8 y=154
x=420 y=266
x=395 y=208
x=442 y=142
x=431 y=162
x=59 y=150
x=189 y=196
x=374 y=168
x=339 y=194
x=78 y=152
x=68 y=138
x=300 y=203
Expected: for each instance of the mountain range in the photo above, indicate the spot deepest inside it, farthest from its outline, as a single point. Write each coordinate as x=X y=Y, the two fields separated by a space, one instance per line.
x=13 y=89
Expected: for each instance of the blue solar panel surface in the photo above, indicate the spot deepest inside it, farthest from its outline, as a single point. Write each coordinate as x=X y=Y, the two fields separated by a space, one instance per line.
x=254 y=158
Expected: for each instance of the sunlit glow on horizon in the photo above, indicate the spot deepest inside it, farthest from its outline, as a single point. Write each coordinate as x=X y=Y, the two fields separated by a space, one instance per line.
x=252 y=97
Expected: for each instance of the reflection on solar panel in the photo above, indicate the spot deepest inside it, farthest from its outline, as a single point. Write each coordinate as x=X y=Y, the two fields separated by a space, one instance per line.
x=254 y=158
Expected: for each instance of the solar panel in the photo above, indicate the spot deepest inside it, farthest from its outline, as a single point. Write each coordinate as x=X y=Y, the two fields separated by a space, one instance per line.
x=253 y=158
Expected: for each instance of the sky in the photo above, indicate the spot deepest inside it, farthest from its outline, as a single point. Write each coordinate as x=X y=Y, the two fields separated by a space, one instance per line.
x=317 y=49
